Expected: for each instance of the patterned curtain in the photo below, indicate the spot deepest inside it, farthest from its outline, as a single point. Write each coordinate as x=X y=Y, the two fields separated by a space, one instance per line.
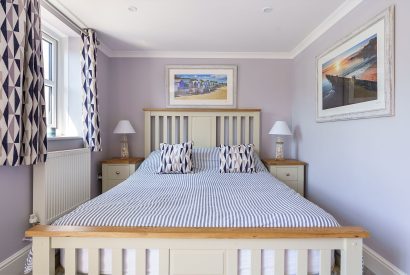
x=23 y=128
x=91 y=119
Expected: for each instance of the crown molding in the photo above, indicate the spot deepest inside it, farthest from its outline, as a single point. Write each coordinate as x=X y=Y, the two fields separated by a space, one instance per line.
x=345 y=8
x=107 y=51
x=193 y=54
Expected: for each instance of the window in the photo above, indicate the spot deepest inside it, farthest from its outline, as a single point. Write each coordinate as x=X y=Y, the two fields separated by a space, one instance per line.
x=62 y=78
x=50 y=46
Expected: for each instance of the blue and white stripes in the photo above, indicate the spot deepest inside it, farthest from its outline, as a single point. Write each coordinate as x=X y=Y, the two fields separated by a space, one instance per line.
x=204 y=198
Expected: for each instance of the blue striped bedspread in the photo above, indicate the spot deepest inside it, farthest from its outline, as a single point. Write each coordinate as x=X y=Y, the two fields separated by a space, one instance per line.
x=205 y=198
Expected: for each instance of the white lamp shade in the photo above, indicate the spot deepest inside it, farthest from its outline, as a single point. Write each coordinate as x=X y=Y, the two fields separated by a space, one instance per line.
x=280 y=128
x=124 y=127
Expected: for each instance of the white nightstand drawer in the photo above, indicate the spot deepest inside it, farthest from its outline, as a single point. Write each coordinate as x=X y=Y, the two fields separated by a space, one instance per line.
x=287 y=173
x=108 y=184
x=291 y=172
x=292 y=184
x=118 y=172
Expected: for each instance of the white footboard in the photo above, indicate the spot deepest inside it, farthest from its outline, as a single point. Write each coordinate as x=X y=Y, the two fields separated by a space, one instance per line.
x=196 y=250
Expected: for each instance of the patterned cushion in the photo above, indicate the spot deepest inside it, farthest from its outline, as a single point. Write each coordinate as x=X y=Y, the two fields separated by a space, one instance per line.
x=176 y=158
x=237 y=159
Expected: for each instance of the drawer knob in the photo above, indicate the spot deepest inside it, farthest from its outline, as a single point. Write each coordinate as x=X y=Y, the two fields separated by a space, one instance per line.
x=288 y=174
x=117 y=172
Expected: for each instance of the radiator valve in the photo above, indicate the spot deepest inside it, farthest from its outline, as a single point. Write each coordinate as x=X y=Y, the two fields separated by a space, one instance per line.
x=33 y=219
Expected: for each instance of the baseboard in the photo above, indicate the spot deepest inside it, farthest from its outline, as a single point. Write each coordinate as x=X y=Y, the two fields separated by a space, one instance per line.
x=379 y=265
x=14 y=265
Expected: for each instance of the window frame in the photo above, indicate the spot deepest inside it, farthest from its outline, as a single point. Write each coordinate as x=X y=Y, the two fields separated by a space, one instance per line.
x=68 y=92
x=53 y=83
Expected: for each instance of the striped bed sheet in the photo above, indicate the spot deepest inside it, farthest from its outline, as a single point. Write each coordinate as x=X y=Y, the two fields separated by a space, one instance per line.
x=205 y=198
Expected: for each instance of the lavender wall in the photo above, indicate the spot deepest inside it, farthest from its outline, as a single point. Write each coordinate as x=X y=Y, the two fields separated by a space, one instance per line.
x=358 y=170
x=16 y=201
x=16 y=188
x=136 y=83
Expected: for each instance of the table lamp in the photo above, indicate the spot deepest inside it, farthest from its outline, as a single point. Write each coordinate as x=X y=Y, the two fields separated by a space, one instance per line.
x=124 y=127
x=280 y=128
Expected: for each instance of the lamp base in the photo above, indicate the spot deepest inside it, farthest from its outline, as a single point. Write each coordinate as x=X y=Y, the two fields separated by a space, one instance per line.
x=124 y=148
x=279 y=149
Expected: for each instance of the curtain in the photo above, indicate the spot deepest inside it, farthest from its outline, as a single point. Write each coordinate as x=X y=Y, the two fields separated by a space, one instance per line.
x=23 y=128
x=91 y=120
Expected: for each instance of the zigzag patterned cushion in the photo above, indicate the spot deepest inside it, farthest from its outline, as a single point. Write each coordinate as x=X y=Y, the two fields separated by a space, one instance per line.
x=176 y=158
x=236 y=158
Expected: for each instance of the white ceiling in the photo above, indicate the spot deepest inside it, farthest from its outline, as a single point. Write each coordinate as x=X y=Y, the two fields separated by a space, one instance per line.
x=211 y=26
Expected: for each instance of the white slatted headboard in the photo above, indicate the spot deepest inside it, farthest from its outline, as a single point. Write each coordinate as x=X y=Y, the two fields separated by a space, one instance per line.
x=205 y=127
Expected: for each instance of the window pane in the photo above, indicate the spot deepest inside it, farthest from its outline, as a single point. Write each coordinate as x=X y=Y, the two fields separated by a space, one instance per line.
x=49 y=102
x=47 y=55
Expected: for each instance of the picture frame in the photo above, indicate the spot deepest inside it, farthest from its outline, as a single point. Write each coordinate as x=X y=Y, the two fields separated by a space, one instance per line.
x=355 y=79
x=201 y=86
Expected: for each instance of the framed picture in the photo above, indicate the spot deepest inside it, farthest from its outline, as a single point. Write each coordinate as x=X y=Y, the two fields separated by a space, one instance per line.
x=208 y=86
x=355 y=79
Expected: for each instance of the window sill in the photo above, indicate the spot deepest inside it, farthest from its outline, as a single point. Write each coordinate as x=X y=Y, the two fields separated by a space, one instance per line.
x=62 y=138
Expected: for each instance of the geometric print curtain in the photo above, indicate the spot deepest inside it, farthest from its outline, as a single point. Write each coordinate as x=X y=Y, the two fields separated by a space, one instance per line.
x=91 y=120
x=23 y=129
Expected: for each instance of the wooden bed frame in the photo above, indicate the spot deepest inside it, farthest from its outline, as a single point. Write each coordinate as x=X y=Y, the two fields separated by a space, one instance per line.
x=196 y=251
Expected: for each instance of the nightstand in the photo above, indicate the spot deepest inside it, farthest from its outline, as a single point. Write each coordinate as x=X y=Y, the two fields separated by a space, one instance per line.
x=116 y=170
x=291 y=172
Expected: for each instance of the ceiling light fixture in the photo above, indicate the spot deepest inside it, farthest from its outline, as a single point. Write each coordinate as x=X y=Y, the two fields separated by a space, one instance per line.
x=267 y=9
x=132 y=8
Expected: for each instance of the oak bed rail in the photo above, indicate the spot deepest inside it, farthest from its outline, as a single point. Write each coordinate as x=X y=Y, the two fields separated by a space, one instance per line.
x=197 y=232
x=196 y=251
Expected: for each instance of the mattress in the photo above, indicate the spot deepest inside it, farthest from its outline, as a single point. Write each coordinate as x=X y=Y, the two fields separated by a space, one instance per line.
x=204 y=198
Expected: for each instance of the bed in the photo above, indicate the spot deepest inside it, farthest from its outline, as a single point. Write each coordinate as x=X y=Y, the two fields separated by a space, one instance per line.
x=199 y=223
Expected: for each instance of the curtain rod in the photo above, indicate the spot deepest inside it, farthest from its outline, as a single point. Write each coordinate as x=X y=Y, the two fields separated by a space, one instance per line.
x=55 y=11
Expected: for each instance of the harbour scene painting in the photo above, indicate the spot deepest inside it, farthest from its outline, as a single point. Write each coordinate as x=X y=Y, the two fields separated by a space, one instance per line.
x=201 y=86
x=351 y=77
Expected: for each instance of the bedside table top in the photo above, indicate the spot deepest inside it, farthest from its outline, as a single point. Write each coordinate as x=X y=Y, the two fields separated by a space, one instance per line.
x=123 y=161
x=283 y=162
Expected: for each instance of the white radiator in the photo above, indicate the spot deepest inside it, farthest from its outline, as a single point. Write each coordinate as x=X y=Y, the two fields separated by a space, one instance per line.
x=61 y=184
